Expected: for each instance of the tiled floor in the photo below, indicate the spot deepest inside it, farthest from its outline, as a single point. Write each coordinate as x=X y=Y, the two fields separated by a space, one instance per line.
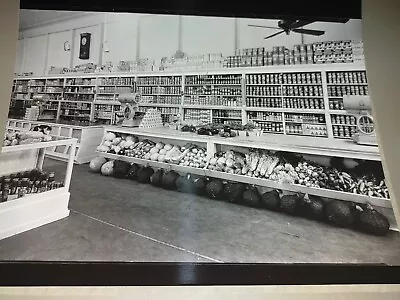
x=121 y=220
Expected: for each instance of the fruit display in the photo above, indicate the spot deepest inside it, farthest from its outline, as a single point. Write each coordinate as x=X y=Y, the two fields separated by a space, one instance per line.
x=193 y=156
x=13 y=138
x=18 y=185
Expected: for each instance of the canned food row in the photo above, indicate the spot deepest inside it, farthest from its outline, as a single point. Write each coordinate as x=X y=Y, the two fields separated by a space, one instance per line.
x=264 y=102
x=339 y=91
x=347 y=77
x=304 y=103
x=343 y=119
x=162 y=80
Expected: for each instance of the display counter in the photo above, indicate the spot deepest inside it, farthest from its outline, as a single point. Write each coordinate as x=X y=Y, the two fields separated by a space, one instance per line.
x=295 y=144
x=298 y=145
x=88 y=138
x=29 y=200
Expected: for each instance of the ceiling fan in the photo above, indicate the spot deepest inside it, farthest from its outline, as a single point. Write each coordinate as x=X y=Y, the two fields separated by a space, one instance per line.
x=288 y=26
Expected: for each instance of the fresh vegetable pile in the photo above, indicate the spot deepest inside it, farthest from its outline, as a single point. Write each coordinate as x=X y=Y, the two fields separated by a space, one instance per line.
x=362 y=217
x=275 y=167
x=25 y=137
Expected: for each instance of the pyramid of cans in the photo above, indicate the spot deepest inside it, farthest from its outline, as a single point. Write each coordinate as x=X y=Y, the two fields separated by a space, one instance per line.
x=315 y=53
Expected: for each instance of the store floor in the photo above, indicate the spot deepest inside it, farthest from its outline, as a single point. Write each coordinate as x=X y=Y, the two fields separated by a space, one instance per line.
x=121 y=220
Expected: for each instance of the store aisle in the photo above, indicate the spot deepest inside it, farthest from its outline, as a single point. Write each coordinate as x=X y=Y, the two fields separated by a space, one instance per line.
x=115 y=219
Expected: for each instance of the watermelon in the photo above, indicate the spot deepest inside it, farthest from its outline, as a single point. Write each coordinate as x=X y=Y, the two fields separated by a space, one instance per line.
x=169 y=180
x=156 y=178
x=251 y=197
x=121 y=169
x=215 y=189
x=271 y=200
x=233 y=192
x=132 y=173
x=144 y=174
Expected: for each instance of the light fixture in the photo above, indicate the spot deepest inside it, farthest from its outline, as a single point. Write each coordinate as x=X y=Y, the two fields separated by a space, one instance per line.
x=67 y=46
x=105 y=47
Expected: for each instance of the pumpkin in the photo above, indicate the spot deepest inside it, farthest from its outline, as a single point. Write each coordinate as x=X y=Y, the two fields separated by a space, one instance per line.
x=96 y=164
x=168 y=147
x=103 y=148
x=109 y=136
x=154 y=156
x=159 y=145
x=107 y=169
x=162 y=152
x=154 y=150
x=161 y=158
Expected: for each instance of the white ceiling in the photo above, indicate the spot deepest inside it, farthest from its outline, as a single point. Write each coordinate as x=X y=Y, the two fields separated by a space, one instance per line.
x=32 y=18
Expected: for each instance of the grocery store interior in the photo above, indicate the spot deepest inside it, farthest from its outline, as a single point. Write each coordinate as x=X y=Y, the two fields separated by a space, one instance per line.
x=166 y=138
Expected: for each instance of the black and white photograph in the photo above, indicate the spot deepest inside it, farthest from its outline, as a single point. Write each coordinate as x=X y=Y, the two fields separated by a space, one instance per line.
x=136 y=137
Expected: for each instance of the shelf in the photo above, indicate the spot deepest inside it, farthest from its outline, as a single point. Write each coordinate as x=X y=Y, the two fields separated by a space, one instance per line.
x=349 y=125
x=304 y=97
x=345 y=84
x=286 y=110
x=227 y=118
x=270 y=121
x=222 y=107
x=263 y=96
x=106 y=102
x=17 y=148
x=215 y=84
x=263 y=84
x=304 y=122
x=255 y=181
x=159 y=104
x=290 y=143
x=77 y=101
x=301 y=84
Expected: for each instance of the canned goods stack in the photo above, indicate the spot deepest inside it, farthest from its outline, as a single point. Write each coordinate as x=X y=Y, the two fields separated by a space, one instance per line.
x=343 y=120
x=213 y=79
x=333 y=52
x=347 y=77
x=165 y=99
x=303 y=103
x=18 y=185
x=263 y=90
x=305 y=118
x=213 y=100
x=306 y=129
x=200 y=115
x=343 y=131
x=228 y=114
x=302 y=78
x=342 y=90
x=302 y=90
x=265 y=78
x=264 y=116
x=270 y=127
x=263 y=102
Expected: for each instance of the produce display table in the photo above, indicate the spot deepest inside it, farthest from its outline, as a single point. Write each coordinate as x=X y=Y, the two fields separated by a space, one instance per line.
x=88 y=138
x=34 y=209
x=296 y=144
x=301 y=145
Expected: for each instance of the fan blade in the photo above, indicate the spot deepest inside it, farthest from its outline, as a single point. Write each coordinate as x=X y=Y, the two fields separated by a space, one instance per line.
x=260 y=26
x=300 y=23
x=309 y=31
x=272 y=35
